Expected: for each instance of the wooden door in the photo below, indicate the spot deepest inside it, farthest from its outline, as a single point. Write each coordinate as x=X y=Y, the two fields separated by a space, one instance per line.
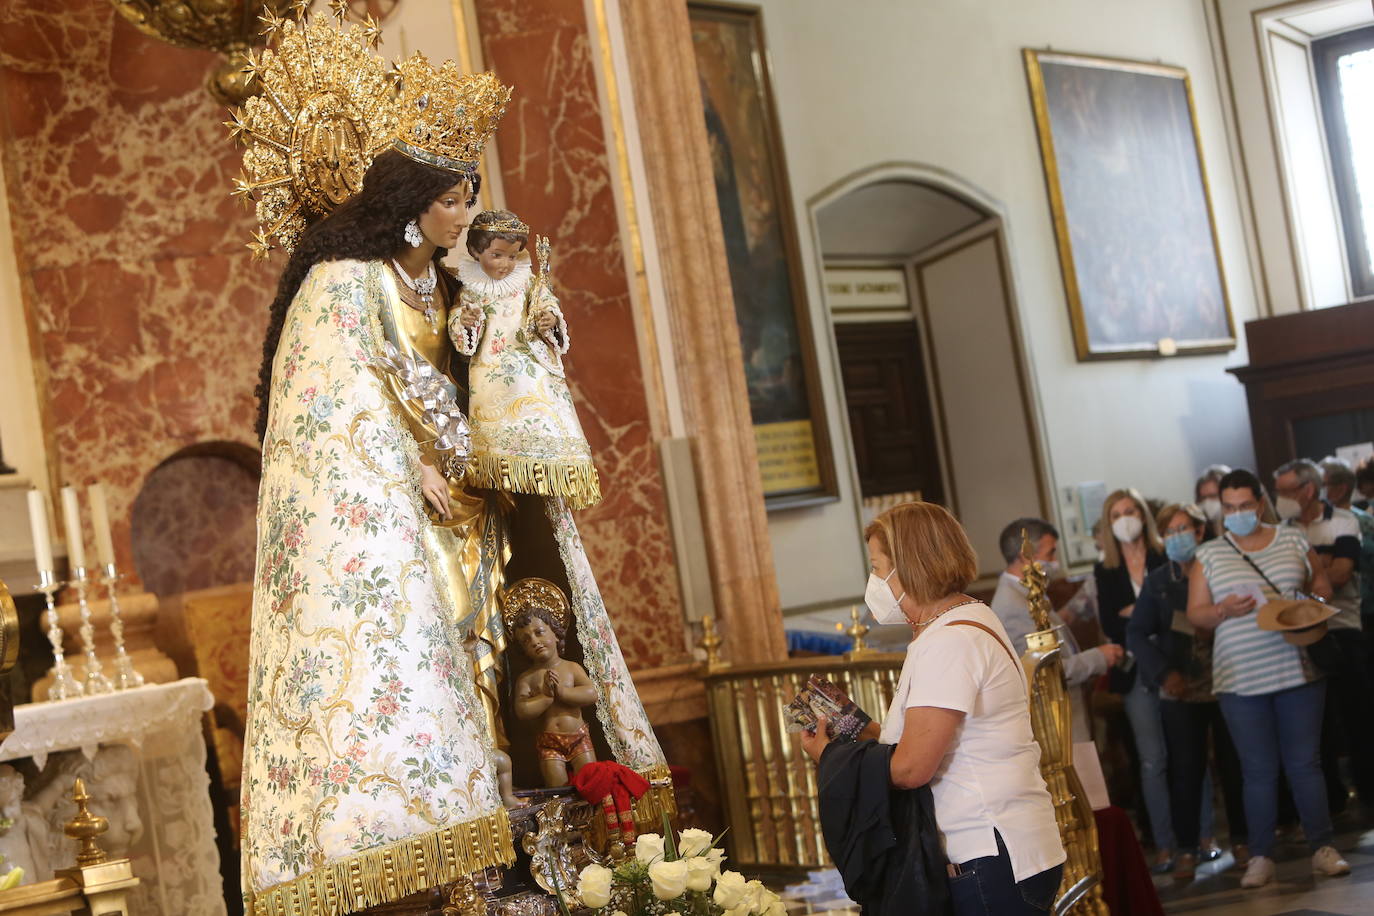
x=890 y=417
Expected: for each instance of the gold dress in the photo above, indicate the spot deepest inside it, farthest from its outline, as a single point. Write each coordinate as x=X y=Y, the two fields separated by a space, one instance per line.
x=471 y=543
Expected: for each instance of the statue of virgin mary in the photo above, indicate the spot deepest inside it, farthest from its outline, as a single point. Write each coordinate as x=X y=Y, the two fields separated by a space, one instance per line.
x=373 y=737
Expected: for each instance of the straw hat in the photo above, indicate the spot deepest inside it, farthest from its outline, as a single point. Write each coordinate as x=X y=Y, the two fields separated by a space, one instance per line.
x=1301 y=622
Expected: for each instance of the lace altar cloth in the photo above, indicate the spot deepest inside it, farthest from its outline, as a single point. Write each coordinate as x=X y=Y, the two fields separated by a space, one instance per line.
x=174 y=854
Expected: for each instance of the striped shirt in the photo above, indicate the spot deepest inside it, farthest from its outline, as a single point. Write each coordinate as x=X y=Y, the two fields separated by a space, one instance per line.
x=1245 y=659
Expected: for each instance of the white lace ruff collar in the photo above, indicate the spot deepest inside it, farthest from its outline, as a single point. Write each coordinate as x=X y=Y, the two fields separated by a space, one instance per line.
x=471 y=273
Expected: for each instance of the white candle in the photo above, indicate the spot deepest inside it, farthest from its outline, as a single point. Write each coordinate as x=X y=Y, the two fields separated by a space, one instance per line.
x=71 y=515
x=100 y=521
x=38 y=523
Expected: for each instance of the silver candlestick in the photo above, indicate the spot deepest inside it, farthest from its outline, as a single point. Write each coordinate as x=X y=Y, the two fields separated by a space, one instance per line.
x=95 y=681
x=125 y=674
x=64 y=686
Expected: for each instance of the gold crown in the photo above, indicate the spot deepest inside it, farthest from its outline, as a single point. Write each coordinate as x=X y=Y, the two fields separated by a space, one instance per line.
x=446 y=116
x=535 y=593
x=487 y=221
x=327 y=108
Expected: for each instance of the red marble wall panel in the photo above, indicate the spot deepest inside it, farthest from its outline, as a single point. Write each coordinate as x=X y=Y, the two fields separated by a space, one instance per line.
x=148 y=310
x=557 y=177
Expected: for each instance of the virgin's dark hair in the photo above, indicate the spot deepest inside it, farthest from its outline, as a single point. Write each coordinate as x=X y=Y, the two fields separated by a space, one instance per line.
x=368 y=226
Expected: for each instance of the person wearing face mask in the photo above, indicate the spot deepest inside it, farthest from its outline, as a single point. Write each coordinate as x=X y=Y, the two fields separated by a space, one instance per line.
x=1175 y=659
x=1011 y=607
x=1207 y=496
x=959 y=719
x=1132 y=549
x=1270 y=697
x=1335 y=535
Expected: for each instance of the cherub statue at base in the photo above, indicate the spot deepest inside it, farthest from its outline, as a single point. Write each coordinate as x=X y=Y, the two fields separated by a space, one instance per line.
x=553 y=689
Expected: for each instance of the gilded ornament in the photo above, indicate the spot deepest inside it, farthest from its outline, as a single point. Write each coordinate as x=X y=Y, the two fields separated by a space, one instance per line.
x=226 y=26
x=447 y=116
x=535 y=593
x=326 y=109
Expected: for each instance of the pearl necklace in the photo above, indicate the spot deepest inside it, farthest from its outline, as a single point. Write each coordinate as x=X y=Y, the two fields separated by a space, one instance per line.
x=423 y=287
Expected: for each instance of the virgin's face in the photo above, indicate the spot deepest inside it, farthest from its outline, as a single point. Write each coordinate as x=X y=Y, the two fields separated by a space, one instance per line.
x=448 y=216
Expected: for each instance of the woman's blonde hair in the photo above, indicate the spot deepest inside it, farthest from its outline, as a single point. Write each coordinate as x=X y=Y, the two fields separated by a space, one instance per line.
x=928 y=547
x=1110 y=548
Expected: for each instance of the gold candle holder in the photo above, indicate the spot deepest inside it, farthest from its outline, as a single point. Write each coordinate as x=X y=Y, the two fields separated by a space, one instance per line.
x=64 y=686
x=126 y=677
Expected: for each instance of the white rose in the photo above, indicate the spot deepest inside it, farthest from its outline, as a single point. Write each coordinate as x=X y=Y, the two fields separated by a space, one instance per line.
x=669 y=879
x=693 y=842
x=700 y=873
x=755 y=897
x=716 y=856
x=649 y=848
x=776 y=908
x=729 y=890
x=594 y=885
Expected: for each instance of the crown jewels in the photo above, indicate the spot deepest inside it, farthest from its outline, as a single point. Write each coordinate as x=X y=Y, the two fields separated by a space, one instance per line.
x=488 y=222
x=327 y=108
x=535 y=593
x=447 y=116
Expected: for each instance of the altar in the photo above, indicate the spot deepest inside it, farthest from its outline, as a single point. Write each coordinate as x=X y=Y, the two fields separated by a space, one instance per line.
x=142 y=753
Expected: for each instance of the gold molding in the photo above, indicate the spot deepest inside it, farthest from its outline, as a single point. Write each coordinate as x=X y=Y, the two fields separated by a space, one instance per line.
x=640 y=300
x=1040 y=109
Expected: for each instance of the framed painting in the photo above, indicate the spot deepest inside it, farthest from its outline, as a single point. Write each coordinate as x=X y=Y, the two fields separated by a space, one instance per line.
x=761 y=245
x=1132 y=211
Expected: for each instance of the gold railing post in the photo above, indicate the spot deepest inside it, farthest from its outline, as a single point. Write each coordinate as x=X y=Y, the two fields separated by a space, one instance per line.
x=1051 y=710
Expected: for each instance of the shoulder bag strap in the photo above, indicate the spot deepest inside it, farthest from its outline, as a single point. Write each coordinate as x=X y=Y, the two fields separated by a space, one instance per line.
x=1253 y=565
x=993 y=633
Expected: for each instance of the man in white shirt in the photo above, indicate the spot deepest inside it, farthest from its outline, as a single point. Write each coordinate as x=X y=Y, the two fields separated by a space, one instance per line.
x=1010 y=605
x=1335 y=537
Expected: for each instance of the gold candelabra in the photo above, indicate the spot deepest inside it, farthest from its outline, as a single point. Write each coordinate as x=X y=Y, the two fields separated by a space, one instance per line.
x=857 y=631
x=1051 y=711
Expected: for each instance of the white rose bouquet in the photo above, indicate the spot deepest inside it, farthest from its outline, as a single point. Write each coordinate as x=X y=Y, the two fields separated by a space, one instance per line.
x=674 y=877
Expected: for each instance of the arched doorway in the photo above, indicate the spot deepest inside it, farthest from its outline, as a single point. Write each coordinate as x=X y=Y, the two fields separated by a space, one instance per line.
x=929 y=350
x=194 y=521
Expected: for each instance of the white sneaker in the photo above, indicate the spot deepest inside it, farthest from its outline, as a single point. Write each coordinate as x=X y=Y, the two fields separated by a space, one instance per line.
x=1259 y=872
x=1327 y=861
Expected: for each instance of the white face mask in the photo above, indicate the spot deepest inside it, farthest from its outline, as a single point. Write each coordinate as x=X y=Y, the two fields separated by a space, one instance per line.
x=1287 y=507
x=885 y=608
x=1127 y=528
x=1211 y=507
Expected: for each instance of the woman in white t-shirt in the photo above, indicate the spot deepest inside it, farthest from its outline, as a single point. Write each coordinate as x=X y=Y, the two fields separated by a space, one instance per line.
x=959 y=717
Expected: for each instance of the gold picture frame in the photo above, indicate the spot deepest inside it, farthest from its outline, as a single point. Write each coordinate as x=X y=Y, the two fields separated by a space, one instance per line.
x=796 y=459
x=1132 y=208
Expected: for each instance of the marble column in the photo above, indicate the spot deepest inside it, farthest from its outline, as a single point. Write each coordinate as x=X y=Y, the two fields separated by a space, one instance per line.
x=706 y=344
x=556 y=173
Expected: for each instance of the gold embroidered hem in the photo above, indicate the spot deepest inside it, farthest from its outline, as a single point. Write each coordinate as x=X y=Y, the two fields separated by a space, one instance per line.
x=389 y=873
x=574 y=479
x=650 y=807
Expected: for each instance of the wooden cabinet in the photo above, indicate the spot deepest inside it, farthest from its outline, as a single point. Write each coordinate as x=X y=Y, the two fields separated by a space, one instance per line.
x=1310 y=383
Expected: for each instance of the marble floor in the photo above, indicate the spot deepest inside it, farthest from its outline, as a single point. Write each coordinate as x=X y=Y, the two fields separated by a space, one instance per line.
x=1216 y=890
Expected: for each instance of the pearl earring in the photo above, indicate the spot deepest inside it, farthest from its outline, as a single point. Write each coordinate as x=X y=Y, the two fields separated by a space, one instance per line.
x=413 y=234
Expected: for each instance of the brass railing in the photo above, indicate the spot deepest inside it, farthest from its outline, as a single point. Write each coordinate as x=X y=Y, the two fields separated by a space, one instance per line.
x=768 y=784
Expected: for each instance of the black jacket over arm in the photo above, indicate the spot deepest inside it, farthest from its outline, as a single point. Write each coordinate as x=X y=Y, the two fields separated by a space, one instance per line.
x=1115 y=592
x=884 y=841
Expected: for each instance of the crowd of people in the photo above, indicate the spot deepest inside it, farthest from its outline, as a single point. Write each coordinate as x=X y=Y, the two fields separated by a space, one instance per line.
x=1269 y=717
x=1233 y=627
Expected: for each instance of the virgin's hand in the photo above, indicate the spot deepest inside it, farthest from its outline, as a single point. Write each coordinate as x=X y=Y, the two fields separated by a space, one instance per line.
x=814 y=742
x=435 y=488
x=471 y=318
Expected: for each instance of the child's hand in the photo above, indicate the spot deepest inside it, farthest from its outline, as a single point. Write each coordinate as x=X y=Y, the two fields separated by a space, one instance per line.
x=545 y=321
x=551 y=683
x=471 y=317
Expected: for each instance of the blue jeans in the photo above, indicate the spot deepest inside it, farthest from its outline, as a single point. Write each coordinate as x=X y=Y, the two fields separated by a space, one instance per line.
x=1280 y=728
x=1147 y=725
x=987 y=887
